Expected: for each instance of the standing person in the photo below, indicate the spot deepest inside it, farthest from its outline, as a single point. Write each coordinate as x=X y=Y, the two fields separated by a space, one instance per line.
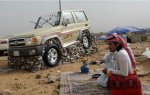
x=121 y=57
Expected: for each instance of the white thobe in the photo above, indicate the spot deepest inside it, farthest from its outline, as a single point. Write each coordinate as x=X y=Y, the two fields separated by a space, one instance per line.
x=118 y=63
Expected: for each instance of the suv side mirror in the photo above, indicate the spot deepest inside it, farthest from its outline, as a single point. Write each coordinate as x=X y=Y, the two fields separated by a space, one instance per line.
x=56 y=23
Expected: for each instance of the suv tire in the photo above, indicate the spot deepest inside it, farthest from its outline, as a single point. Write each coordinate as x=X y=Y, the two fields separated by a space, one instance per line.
x=85 y=41
x=51 y=56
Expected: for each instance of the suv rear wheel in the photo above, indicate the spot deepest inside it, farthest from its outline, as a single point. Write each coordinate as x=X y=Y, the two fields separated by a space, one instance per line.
x=51 y=56
x=85 y=41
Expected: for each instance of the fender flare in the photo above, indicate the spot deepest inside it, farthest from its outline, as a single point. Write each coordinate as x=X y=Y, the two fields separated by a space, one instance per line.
x=50 y=37
x=84 y=30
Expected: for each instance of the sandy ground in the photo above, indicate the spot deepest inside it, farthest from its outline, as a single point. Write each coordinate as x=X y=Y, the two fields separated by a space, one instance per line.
x=26 y=83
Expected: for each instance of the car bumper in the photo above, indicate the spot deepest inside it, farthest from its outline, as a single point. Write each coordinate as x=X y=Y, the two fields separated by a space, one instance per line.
x=26 y=51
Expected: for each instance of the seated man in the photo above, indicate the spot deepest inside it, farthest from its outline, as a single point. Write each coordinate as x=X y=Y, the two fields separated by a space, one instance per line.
x=120 y=61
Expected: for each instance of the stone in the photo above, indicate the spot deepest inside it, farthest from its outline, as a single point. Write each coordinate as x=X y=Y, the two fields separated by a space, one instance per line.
x=38 y=76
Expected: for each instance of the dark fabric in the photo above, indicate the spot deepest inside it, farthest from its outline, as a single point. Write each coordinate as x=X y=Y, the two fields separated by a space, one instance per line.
x=119 y=48
x=108 y=83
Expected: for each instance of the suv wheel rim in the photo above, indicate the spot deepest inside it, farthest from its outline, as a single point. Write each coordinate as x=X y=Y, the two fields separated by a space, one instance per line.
x=85 y=42
x=52 y=55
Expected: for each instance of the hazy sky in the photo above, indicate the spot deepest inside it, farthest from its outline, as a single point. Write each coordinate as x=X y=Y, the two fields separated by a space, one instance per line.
x=104 y=15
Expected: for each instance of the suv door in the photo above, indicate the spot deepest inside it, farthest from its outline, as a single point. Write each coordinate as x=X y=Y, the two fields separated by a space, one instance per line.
x=83 y=24
x=82 y=21
x=69 y=31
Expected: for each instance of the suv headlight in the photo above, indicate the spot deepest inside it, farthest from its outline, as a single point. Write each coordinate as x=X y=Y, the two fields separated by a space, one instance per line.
x=33 y=41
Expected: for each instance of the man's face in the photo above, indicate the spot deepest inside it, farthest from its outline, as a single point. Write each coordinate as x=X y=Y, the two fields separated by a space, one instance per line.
x=112 y=46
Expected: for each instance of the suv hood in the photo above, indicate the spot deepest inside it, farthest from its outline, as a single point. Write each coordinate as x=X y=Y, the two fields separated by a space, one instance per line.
x=38 y=32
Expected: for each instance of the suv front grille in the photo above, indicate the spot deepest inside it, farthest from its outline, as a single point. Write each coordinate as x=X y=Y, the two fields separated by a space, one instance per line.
x=17 y=42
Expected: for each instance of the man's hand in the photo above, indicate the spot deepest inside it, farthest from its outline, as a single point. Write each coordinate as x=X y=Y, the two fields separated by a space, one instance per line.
x=104 y=70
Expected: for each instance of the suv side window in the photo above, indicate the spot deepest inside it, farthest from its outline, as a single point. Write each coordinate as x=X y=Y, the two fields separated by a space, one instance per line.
x=80 y=15
x=68 y=18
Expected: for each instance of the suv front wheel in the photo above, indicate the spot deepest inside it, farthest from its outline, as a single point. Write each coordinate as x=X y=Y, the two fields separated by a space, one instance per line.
x=51 y=56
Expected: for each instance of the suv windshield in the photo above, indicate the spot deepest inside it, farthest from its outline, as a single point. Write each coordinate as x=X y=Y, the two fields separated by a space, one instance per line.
x=49 y=20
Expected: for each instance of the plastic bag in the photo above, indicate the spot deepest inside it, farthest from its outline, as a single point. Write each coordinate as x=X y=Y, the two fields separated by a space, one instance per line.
x=147 y=53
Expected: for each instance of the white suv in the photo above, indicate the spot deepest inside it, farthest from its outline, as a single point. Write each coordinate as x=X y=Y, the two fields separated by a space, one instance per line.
x=55 y=38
